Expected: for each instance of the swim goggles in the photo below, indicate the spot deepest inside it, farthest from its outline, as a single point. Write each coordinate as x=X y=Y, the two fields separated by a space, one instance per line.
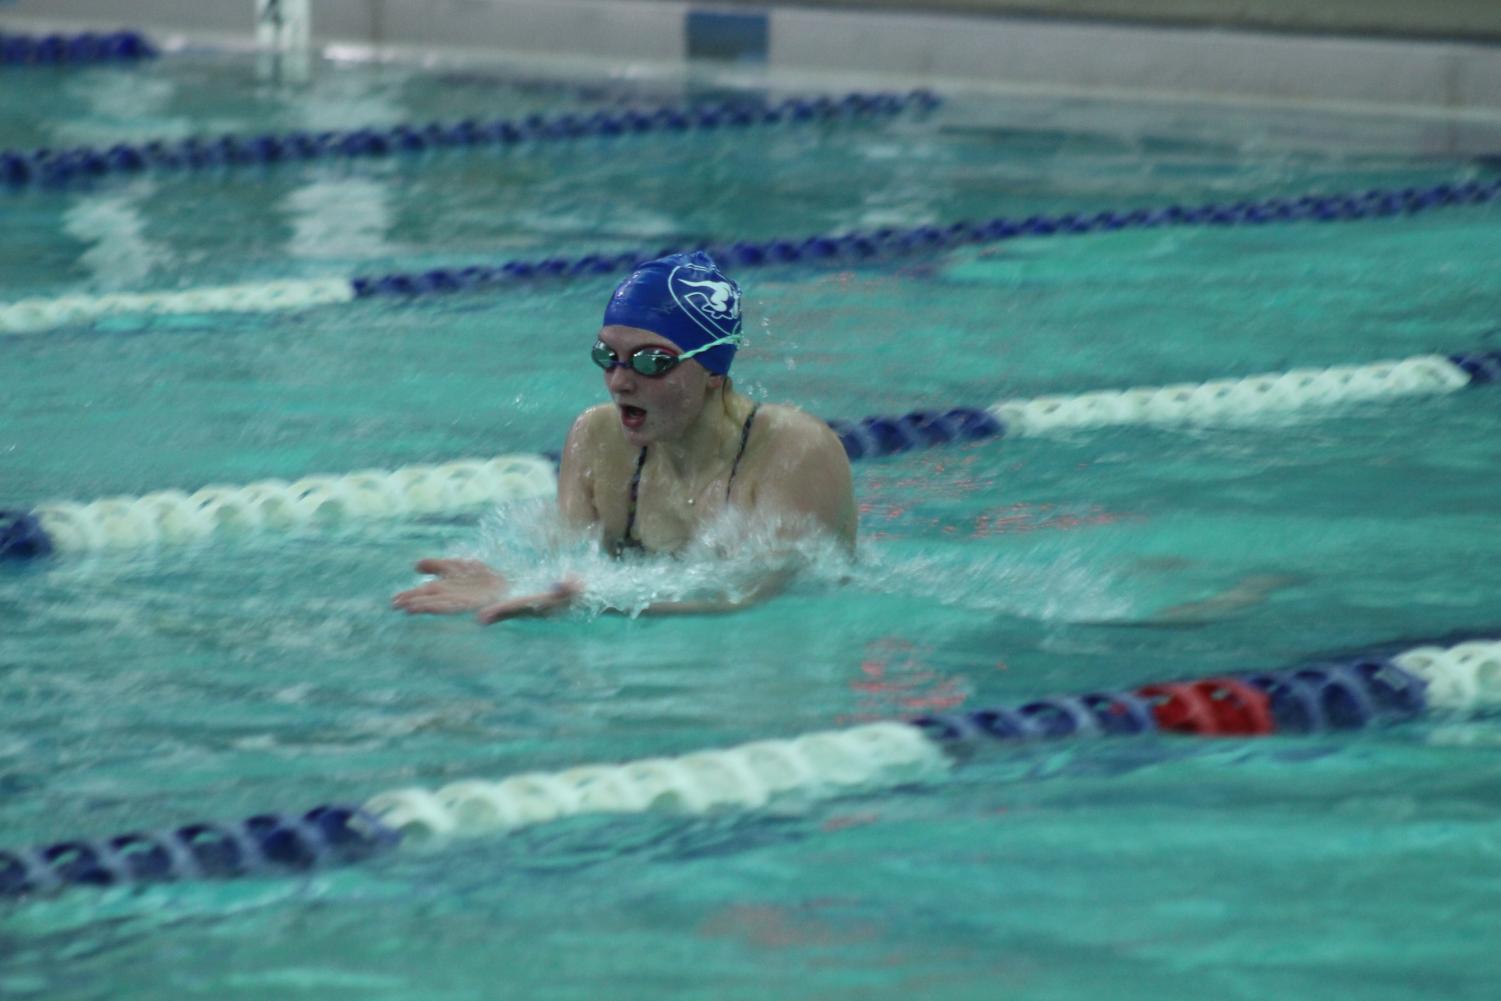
x=652 y=362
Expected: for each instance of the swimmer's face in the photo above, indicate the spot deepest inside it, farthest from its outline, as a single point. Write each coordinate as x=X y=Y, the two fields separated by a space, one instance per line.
x=654 y=409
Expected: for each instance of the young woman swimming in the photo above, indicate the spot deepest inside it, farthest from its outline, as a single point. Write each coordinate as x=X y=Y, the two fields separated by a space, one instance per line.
x=674 y=450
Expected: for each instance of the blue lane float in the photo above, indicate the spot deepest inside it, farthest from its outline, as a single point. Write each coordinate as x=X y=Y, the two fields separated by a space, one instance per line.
x=864 y=246
x=22 y=536
x=171 y=516
x=1331 y=696
x=55 y=168
x=1313 y=699
x=266 y=844
x=877 y=436
x=88 y=47
x=856 y=248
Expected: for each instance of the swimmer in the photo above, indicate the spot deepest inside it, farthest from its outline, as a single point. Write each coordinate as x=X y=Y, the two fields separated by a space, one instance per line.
x=674 y=449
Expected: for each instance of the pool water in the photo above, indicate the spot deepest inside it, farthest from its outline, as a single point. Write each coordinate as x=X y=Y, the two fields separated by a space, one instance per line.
x=145 y=689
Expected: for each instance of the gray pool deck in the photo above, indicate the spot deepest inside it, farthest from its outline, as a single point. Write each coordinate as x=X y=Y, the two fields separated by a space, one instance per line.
x=1376 y=55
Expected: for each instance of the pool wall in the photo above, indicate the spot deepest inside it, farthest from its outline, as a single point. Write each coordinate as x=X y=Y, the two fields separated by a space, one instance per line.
x=1174 y=58
x=1460 y=20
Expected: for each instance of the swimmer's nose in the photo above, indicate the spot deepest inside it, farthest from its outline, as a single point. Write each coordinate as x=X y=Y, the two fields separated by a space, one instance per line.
x=620 y=378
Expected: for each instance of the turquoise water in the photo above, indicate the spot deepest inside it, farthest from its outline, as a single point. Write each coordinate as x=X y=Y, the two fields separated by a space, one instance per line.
x=224 y=679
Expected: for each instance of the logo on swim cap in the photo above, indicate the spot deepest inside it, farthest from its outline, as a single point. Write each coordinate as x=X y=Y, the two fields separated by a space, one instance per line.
x=686 y=299
x=712 y=303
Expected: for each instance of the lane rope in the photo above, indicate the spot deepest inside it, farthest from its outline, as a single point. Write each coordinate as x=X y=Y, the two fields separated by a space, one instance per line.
x=1332 y=696
x=170 y=516
x=21 y=168
x=29 y=316
x=167 y=516
x=88 y=47
x=1217 y=401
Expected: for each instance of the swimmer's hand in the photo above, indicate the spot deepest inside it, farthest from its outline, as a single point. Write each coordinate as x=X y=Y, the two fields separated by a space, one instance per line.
x=1248 y=592
x=462 y=586
x=558 y=598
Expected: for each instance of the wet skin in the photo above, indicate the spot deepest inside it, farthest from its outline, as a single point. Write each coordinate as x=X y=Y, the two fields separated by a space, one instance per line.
x=793 y=472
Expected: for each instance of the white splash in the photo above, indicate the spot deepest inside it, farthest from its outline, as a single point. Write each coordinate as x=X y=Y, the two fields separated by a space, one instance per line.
x=731 y=556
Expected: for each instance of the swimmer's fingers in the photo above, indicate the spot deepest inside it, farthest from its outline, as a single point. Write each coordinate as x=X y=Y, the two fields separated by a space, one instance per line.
x=446 y=596
x=451 y=567
x=434 y=604
x=433 y=600
x=426 y=606
x=561 y=595
x=535 y=604
x=461 y=586
x=431 y=587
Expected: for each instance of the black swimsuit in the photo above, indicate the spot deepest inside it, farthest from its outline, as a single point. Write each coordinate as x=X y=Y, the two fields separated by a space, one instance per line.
x=629 y=541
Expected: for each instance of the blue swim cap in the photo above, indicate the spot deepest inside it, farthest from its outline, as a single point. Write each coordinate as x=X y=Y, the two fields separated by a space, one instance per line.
x=684 y=298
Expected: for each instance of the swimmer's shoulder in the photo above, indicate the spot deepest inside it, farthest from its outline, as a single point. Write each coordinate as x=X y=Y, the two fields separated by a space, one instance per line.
x=589 y=426
x=802 y=469
x=792 y=432
x=595 y=440
x=598 y=428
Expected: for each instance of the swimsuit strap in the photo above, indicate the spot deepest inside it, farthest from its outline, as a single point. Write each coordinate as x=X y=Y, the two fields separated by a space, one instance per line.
x=626 y=540
x=744 y=440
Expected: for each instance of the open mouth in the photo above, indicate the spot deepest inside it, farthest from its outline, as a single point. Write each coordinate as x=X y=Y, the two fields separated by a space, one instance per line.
x=632 y=417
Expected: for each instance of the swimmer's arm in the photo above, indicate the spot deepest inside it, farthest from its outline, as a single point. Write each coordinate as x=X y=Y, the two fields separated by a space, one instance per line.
x=810 y=485
x=470 y=586
x=575 y=475
x=768 y=587
x=566 y=592
x=1248 y=592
